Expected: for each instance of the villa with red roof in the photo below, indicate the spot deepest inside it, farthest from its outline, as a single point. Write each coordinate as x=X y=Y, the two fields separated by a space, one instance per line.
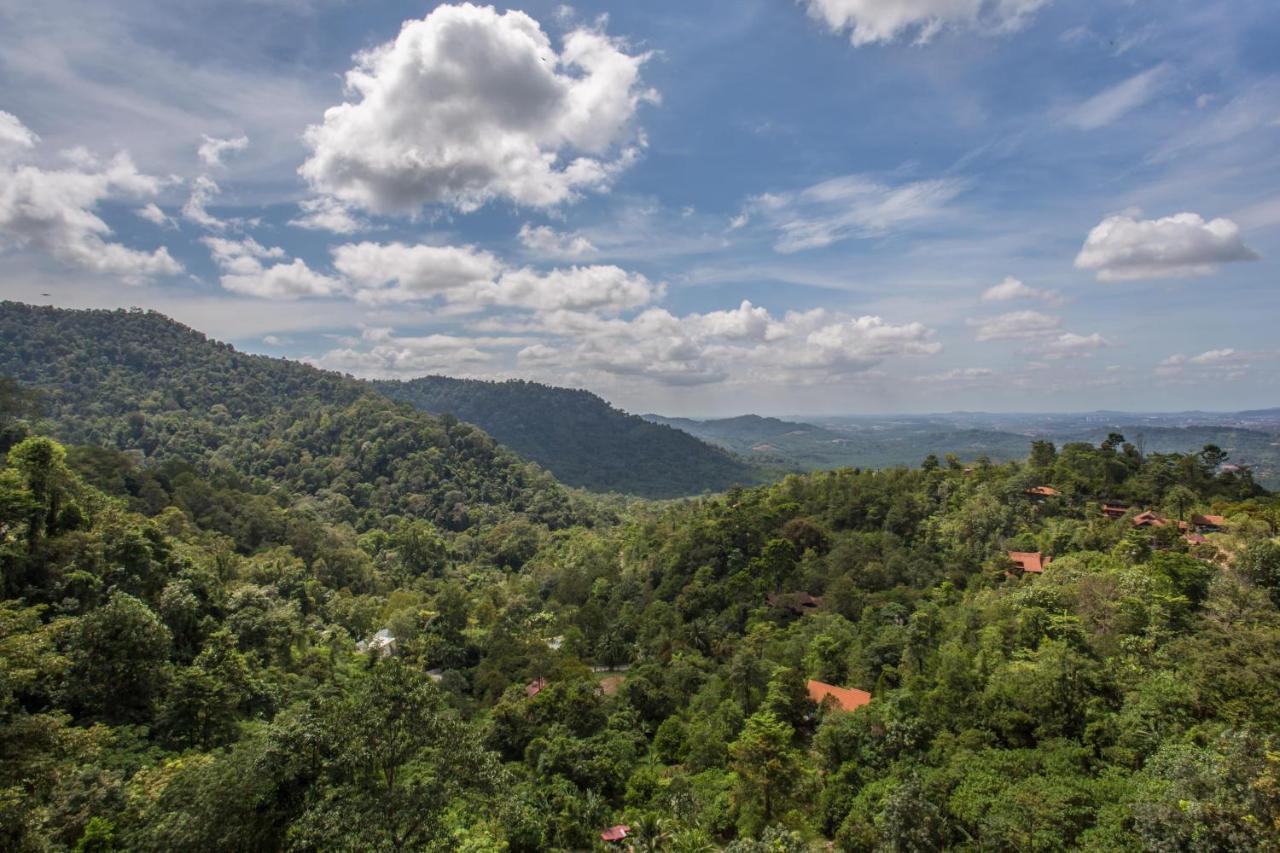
x=1029 y=562
x=842 y=698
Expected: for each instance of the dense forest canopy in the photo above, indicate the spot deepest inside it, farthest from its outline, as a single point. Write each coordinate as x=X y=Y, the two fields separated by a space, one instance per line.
x=259 y=608
x=579 y=437
x=138 y=382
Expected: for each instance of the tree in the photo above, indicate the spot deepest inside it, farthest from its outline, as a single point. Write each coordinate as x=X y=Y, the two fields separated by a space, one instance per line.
x=769 y=769
x=42 y=464
x=118 y=656
x=1260 y=563
x=393 y=760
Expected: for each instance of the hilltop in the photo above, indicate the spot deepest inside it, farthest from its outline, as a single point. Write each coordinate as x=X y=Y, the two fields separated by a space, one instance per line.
x=579 y=437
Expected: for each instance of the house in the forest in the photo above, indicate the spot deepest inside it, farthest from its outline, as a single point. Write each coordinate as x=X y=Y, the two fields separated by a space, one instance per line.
x=838 y=698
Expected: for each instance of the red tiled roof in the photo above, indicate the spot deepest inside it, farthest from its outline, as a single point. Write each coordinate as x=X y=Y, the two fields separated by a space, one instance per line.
x=1044 y=491
x=1209 y=520
x=846 y=698
x=533 y=688
x=1028 y=561
x=615 y=833
x=1149 y=519
x=1114 y=510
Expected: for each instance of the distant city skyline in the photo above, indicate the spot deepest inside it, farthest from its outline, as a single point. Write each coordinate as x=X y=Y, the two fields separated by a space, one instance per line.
x=791 y=208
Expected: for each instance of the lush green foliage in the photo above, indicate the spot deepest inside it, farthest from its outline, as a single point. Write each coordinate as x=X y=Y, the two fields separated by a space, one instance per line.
x=579 y=437
x=180 y=668
x=141 y=383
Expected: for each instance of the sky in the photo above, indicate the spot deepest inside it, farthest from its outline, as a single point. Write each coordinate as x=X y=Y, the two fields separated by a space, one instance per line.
x=785 y=207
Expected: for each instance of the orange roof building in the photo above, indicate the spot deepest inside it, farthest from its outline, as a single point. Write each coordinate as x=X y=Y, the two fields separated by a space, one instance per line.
x=1043 y=492
x=1111 y=510
x=1208 y=523
x=1030 y=562
x=1149 y=518
x=844 y=698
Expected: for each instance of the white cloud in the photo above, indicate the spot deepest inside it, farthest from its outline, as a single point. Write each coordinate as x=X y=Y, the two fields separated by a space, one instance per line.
x=14 y=134
x=396 y=272
x=742 y=345
x=1012 y=288
x=547 y=242
x=52 y=211
x=327 y=214
x=1213 y=356
x=385 y=354
x=203 y=191
x=471 y=278
x=153 y=214
x=849 y=206
x=212 y=150
x=1122 y=247
x=468 y=105
x=591 y=288
x=1016 y=325
x=1068 y=344
x=1113 y=103
x=871 y=21
x=244 y=272
x=956 y=374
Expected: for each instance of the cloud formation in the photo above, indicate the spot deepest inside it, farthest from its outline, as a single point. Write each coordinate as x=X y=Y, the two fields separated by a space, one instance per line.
x=468 y=105
x=871 y=21
x=211 y=150
x=1014 y=326
x=1121 y=247
x=470 y=278
x=53 y=210
x=1012 y=288
x=744 y=344
x=547 y=242
x=203 y=191
x=244 y=271
x=1112 y=104
x=847 y=207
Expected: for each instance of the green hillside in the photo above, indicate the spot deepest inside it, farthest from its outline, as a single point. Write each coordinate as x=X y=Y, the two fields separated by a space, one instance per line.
x=138 y=381
x=579 y=437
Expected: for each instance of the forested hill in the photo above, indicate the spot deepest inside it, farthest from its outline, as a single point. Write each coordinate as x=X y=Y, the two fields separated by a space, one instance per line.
x=138 y=381
x=579 y=437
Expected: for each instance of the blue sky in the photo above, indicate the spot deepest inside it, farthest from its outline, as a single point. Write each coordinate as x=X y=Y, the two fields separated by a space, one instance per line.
x=813 y=207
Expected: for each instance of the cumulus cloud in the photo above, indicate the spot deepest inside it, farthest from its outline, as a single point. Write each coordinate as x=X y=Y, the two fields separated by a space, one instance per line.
x=14 y=134
x=212 y=150
x=1068 y=344
x=1213 y=356
x=153 y=214
x=1016 y=325
x=1114 y=103
x=203 y=191
x=956 y=374
x=469 y=105
x=396 y=272
x=53 y=210
x=244 y=271
x=592 y=288
x=871 y=21
x=1122 y=247
x=745 y=344
x=327 y=214
x=847 y=207
x=471 y=278
x=548 y=242
x=1012 y=288
x=380 y=352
